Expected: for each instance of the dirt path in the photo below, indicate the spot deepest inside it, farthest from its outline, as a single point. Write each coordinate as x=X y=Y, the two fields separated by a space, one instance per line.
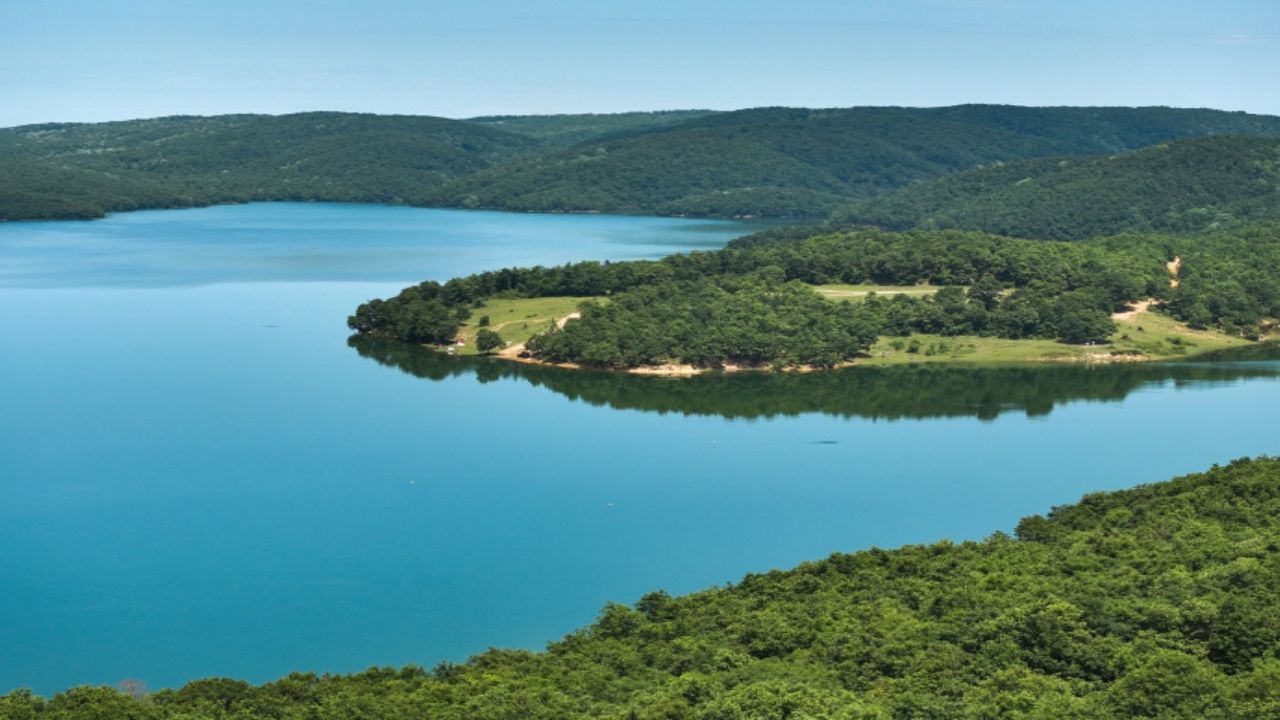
x=1175 y=267
x=511 y=351
x=1139 y=307
x=864 y=293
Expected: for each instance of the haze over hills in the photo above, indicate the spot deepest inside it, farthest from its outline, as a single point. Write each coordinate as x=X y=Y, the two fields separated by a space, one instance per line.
x=766 y=162
x=1181 y=186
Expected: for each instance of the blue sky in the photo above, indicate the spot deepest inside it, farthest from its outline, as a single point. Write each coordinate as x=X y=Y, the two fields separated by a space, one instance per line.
x=100 y=60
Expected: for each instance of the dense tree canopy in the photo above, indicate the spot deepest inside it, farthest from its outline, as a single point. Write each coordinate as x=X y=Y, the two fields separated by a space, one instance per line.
x=1156 y=602
x=788 y=162
x=765 y=162
x=1182 y=186
x=751 y=303
x=66 y=170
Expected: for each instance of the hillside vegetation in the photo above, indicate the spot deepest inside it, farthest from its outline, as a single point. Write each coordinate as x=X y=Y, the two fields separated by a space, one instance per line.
x=754 y=303
x=763 y=162
x=1156 y=602
x=571 y=129
x=85 y=170
x=1181 y=186
x=785 y=162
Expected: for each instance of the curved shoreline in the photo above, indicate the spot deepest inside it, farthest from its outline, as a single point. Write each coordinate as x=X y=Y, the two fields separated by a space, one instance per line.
x=1073 y=354
x=677 y=370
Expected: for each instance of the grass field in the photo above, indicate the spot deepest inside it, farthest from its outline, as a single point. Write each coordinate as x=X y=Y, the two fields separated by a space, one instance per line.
x=841 y=292
x=1160 y=336
x=516 y=320
x=1147 y=335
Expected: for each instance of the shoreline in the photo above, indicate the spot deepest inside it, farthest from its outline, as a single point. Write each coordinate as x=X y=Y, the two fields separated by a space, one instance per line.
x=1037 y=352
x=677 y=370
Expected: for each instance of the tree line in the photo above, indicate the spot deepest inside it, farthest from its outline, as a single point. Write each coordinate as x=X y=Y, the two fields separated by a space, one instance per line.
x=763 y=162
x=1184 y=186
x=752 y=302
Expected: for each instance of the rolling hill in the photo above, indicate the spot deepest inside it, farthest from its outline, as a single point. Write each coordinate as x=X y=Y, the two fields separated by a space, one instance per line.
x=784 y=162
x=1182 y=186
x=84 y=170
x=763 y=162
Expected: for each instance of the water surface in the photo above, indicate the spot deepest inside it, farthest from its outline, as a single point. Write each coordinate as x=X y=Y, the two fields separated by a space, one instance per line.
x=201 y=477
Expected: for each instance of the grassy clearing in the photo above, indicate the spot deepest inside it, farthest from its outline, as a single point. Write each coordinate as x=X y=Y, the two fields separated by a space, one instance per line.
x=921 y=348
x=1147 y=335
x=1159 y=335
x=842 y=292
x=516 y=320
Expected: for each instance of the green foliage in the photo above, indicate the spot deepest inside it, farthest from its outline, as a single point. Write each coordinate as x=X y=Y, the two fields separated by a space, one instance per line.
x=1230 y=279
x=764 y=162
x=1102 y=610
x=709 y=322
x=1182 y=186
x=787 y=162
x=750 y=303
x=84 y=170
x=488 y=340
x=566 y=130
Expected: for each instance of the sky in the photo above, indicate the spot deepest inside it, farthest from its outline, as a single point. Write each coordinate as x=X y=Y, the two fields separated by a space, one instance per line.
x=92 y=60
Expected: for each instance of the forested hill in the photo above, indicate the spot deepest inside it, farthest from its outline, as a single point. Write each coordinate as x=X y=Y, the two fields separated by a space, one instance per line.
x=766 y=162
x=1156 y=602
x=1181 y=186
x=84 y=170
x=785 y=162
x=566 y=130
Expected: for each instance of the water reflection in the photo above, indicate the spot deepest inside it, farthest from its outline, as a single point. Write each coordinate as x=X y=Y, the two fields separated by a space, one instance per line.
x=881 y=393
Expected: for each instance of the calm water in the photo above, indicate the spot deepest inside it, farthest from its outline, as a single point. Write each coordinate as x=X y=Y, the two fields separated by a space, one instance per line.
x=202 y=477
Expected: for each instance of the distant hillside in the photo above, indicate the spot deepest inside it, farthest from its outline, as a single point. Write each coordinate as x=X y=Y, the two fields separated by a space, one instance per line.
x=784 y=162
x=84 y=170
x=764 y=162
x=1157 y=602
x=566 y=130
x=1181 y=186
x=1089 y=130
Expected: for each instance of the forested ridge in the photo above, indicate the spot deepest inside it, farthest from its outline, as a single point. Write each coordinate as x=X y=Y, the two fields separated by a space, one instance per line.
x=788 y=162
x=752 y=303
x=570 y=129
x=76 y=170
x=1155 y=602
x=763 y=162
x=1183 y=186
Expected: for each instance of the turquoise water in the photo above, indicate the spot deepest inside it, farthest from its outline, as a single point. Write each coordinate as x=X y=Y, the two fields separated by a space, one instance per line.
x=201 y=477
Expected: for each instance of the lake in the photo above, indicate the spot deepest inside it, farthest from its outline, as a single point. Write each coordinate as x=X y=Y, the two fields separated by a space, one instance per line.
x=203 y=476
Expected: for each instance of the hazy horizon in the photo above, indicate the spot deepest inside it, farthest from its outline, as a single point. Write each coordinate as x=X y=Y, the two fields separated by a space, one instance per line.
x=617 y=112
x=82 y=61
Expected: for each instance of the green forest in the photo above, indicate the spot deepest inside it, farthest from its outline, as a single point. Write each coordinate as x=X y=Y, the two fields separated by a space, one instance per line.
x=753 y=303
x=1155 y=602
x=1014 y=223
x=67 y=170
x=762 y=162
x=1185 y=186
